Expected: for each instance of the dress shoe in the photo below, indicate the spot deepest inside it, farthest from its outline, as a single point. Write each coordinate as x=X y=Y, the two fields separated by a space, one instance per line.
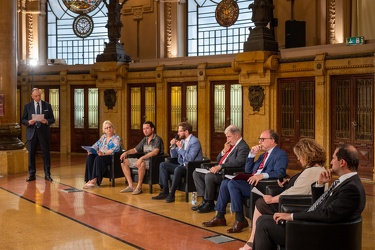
x=238 y=226
x=169 y=199
x=195 y=208
x=160 y=196
x=48 y=178
x=215 y=222
x=31 y=178
x=206 y=208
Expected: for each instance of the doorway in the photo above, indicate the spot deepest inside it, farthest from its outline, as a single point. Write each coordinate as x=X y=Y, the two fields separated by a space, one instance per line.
x=85 y=117
x=352 y=119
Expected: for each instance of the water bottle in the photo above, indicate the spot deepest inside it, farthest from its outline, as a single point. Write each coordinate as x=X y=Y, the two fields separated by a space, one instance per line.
x=194 y=199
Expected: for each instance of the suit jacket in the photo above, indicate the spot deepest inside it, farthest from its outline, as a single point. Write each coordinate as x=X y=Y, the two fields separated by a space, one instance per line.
x=275 y=165
x=236 y=157
x=193 y=152
x=29 y=110
x=346 y=202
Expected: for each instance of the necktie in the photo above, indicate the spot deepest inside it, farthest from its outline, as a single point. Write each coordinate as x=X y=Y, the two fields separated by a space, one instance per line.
x=37 y=108
x=38 y=112
x=261 y=166
x=323 y=196
x=225 y=155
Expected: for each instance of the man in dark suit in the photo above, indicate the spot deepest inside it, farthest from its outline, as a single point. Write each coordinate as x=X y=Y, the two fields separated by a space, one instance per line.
x=270 y=165
x=187 y=148
x=343 y=201
x=38 y=131
x=233 y=155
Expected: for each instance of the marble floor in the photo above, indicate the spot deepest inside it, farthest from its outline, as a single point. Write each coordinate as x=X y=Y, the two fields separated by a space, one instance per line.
x=42 y=215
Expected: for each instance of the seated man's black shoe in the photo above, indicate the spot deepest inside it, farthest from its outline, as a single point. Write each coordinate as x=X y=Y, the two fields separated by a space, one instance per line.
x=206 y=208
x=48 y=178
x=160 y=196
x=31 y=178
x=169 y=199
x=195 y=208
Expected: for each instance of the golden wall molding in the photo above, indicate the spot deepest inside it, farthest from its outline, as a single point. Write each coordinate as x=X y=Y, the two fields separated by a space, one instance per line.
x=168 y=29
x=332 y=21
x=256 y=67
x=133 y=7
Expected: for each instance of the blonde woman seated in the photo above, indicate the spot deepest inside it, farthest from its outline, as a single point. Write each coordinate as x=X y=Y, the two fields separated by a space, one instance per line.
x=312 y=157
x=96 y=164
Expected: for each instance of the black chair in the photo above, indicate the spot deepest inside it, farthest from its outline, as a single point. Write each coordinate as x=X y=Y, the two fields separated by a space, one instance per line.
x=317 y=235
x=114 y=170
x=152 y=174
x=249 y=203
x=223 y=172
x=187 y=184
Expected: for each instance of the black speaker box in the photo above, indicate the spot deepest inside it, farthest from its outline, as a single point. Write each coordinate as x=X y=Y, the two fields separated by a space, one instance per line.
x=295 y=34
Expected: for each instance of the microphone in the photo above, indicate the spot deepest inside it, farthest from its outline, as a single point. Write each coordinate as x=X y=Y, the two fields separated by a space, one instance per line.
x=281 y=179
x=172 y=146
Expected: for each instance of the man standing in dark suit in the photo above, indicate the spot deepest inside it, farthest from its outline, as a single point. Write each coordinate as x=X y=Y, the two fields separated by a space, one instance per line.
x=343 y=201
x=233 y=155
x=270 y=165
x=38 y=131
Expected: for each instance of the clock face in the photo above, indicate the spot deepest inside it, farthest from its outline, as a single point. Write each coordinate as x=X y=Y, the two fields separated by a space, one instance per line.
x=83 y=26
x=82 y=6
x=227 y=13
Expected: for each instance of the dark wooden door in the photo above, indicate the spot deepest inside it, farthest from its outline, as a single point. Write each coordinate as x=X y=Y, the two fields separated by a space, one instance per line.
x=296 y=114
x=226 y=109
x=142 y=107
x=85 y=126
x=182 y=106
x=352 y=119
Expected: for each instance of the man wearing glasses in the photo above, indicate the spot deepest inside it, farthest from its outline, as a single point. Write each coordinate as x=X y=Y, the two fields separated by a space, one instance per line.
x=269 y=165
x=185 y=148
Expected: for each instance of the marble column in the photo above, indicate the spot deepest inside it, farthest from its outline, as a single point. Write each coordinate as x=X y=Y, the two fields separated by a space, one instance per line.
x=12 y=154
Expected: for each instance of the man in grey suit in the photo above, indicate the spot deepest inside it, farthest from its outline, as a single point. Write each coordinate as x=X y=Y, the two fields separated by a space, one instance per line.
x=38 y=131
x=233 y=155
x=186 y=148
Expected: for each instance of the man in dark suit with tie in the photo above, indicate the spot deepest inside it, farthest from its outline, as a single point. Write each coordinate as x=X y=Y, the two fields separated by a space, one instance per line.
x=38 y=131
x=270 y=165
x=344 y=202
x=233 y=155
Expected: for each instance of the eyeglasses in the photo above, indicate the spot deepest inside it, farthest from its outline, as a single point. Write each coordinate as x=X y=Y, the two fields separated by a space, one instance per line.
x=262 y=139
x=108 y=127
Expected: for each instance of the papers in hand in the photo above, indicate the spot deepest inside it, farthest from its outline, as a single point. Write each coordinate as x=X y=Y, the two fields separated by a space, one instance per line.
x=90 y=149
x=202 y=170
x=256 y=191
x=37 y=117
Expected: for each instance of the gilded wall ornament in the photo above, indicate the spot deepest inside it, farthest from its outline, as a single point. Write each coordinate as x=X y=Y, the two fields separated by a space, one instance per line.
x=110 y=98
x=256 y=97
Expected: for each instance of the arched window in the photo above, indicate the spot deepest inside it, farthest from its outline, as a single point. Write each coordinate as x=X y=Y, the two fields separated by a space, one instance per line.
x=76 y=30
x=207 y=37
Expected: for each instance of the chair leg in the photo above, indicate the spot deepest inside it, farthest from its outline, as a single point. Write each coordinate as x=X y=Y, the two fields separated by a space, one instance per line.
x=150 y=185
x=187 y=196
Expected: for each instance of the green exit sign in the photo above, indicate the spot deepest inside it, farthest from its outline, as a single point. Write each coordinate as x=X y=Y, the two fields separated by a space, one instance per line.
x=355 y=40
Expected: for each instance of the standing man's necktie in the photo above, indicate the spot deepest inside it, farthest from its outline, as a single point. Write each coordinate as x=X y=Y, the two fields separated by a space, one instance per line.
x=38 y=112
x=261 y=166
x=323 y=196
